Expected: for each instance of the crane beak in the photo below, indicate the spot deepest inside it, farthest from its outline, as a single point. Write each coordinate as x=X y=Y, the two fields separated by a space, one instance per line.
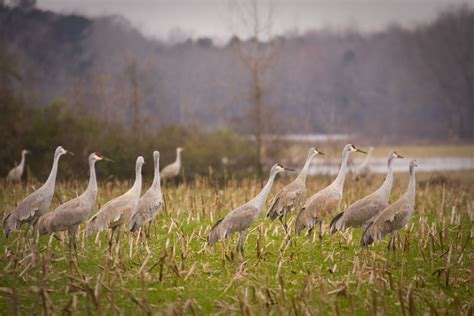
x=361 y=151
x=107 y=159
x=399 y=156
x=70 y=153
x=321 y=153
x=289 y=169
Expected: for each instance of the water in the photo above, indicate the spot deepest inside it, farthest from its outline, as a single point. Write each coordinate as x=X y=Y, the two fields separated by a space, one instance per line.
x=379 y=165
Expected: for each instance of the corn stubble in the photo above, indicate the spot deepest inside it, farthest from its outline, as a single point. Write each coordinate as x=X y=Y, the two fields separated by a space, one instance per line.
x=176 y=272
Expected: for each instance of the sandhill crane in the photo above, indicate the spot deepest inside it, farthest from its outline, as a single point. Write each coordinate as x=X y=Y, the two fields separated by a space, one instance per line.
x=394 y=217
x=292 y=195
x=37 y=203
x=326 y=201
x=240 y=219
x=361 y=212
x=15 y=174
x=363 y=169
x=150 y=203
x=70 y=215
x=172 y=170
x=117 y=211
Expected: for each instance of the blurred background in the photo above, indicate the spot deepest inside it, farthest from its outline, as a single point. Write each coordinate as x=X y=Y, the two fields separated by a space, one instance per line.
x=239 y=84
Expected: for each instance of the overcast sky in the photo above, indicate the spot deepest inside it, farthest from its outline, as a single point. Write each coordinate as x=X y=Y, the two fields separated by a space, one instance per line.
x=158 y=18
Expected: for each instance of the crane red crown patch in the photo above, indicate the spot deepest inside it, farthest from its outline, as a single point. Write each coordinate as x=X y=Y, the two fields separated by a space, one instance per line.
x=98 y=154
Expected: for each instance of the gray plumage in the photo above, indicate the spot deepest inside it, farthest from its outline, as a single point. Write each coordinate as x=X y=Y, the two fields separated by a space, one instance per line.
x=15 y=174
x=241 y=218
x=361 y=212
x=70 y=215
x=292 y=195
x=151 y=202
x=363 y=170
x=172 y=170
x=37 y=203
x=118 y=211
x=394 y=217
x=326 y=201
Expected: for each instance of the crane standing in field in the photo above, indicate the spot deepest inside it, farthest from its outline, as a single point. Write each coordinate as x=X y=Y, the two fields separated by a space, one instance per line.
x=292 y=195
x=240 y=219
x=326 y=201
x=394 y=217
x=361 y=212
x=117 y=211
x=363 y=170
x=16 y=173
x=37 y=203
x=150 y=203
x=70 y=215
x=172 y=170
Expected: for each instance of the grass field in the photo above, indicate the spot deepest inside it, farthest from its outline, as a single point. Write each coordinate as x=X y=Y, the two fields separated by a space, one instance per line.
x=177 y=273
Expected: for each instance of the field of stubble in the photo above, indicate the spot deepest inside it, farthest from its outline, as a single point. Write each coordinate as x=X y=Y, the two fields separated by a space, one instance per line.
x=177 y=273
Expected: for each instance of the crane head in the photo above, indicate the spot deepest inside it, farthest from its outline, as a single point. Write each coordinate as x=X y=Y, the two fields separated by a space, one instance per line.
x=140 y=161
x=353 y=148
x=98 y=156
x=61 y=151
x=25 y=152
x=397 y=155
x=278 y=167
x=179 y=149
x=156 y=155
x=315 y=151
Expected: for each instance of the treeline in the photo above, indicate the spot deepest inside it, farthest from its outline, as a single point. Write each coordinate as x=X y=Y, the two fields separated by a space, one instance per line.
x=42 y=129
x=399 y=83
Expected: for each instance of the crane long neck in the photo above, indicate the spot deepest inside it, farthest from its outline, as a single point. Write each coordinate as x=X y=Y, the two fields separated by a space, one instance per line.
x=156 y=178
x=304 y=172
x=51 y=181
x=137 y=185
x=259 y=200
x=178 y=157
x=411 y=189
x=92 y=186
x=341 y=176
x=22 y=162
x=386 y=186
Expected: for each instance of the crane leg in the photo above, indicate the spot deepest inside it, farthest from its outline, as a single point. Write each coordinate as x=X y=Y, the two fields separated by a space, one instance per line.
x=240 y=244
x=149 y=230
x=394 y=245
x=388 y=248
x=111 y=238
x=320 y=232
x=283 y=223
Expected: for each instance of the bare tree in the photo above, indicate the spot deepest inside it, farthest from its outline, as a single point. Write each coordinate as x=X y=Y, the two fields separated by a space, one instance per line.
x=256 y=20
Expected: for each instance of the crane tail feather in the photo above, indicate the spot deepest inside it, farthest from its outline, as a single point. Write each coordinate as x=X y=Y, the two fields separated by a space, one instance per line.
x=367 y=237
x=336 y=223
x=215 y=234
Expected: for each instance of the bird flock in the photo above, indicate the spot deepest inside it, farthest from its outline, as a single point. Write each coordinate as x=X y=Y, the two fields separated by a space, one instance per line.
x=135 y=213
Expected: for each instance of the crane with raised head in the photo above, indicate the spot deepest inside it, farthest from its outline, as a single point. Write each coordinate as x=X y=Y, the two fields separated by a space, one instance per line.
x=150 y=203
x=242 y=217
x=172 y=170
x=361 y=212
x=394 y=217
x=292 y=195
x=16 y=173
x=116 y=212
x=68 y=216
x=37 y=203
x=326 y=201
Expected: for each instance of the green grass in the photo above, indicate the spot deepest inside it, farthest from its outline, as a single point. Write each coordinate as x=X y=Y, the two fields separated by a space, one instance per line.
x=180 y=274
